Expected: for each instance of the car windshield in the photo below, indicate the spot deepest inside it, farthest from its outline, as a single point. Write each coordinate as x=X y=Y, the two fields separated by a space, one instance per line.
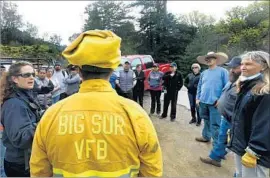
x=124 y=59
x=119 y=68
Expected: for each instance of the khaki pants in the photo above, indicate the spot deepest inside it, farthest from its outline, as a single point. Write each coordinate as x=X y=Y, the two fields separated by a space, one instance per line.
x=242 y=171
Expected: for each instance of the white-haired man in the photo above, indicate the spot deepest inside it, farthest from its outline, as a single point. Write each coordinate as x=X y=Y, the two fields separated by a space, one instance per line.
x=191 y=82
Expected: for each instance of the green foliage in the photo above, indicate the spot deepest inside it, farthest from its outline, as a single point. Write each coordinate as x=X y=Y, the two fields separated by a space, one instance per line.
x=112 y=15
x=154 y=31
x=20 y=40
x=246 y=28
x=242 y=29
x=34 y=51
x=161 y=34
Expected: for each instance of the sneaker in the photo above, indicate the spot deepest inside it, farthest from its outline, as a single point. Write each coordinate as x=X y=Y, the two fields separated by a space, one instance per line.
x=192 y=121
x=210 y=161
x=201 y=139
x=198 y=124
x=158 y=113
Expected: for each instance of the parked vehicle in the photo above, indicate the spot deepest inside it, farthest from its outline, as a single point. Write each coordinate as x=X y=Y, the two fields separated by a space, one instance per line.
x=147 y=63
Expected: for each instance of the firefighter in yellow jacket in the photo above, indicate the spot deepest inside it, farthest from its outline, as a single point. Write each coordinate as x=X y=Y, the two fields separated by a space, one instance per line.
x=95 y=133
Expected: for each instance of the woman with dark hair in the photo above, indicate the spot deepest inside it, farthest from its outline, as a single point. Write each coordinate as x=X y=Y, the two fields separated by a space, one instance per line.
x=20 y=114
x=155 y=84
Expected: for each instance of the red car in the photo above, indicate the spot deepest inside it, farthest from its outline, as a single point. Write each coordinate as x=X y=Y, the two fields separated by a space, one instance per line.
x=147 y=63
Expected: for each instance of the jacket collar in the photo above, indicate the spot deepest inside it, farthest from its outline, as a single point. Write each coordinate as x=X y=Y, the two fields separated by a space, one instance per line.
x=196 y=74
x=95 y=85
x=248 y=84
x=243 y=78
x=26 y=95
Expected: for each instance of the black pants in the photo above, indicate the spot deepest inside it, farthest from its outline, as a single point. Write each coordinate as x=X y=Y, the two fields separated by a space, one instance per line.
x=155 y=101
x=128 y=95
x=138 y=95
x=194 y=109
x=15 y=170
x=170 y=97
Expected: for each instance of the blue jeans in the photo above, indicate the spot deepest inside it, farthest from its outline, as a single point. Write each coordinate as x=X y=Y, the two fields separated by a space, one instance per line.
x=55 y=99
x=219 y=151
x=194 y=108
x=211 y=117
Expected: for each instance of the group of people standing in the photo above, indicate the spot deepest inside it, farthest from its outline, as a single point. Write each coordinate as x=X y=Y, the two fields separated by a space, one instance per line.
x=130 y=84
x=235 y=109
x=29 y=96
x=52 y=85
x=82 y=135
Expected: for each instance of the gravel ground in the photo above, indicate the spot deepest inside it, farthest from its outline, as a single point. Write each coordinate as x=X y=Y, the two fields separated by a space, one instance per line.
x=180 y=150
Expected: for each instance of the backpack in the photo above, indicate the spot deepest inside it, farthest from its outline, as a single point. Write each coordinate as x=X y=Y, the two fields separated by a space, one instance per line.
x=64 y=73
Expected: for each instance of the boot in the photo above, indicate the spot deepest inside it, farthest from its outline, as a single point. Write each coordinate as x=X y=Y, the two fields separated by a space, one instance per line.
x=192 y=121
x=210 y=161
x=201 y=139
x=162 y=116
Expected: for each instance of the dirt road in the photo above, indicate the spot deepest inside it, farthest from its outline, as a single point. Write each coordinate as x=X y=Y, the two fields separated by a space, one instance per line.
x=181 y=152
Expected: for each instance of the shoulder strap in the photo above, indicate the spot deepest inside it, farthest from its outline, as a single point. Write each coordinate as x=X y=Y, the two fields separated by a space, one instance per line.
x=34 y=107
x=63 y=72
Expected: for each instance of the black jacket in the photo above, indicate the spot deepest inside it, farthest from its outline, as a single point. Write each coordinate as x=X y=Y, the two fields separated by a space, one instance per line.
x=19 y=117
x=43 y=89
x=191 y=82
x=140 y=81
x=173 y=84
x=251 y=123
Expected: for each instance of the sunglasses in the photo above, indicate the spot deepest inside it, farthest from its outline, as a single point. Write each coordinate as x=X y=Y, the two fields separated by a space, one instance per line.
x=195 y=67
x=27 y=75
x=210 y=59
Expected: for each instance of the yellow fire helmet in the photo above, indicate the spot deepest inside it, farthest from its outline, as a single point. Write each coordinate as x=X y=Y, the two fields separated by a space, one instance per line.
x=98 y=48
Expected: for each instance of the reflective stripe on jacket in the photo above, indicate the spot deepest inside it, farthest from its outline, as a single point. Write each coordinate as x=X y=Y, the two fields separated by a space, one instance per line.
x=96 y=133
x=131 y=171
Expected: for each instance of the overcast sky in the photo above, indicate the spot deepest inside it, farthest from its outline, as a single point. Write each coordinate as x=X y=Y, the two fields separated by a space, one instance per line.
x=67 y=17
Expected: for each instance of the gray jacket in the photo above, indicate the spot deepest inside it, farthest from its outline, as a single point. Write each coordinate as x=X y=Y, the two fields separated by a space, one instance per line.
x=73 y=84
x=227 y=101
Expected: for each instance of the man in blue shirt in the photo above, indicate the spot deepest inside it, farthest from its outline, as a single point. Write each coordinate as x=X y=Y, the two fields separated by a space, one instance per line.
x=225 y=107
x=210 y=86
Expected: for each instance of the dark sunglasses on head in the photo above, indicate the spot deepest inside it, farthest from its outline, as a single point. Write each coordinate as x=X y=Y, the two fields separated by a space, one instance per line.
x=27 y=75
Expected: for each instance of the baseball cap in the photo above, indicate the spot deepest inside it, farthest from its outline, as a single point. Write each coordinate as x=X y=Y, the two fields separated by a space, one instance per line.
x=73 y=67
x=235 y=62
x=57 y=64
x=155 y=65
x=173 y=64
